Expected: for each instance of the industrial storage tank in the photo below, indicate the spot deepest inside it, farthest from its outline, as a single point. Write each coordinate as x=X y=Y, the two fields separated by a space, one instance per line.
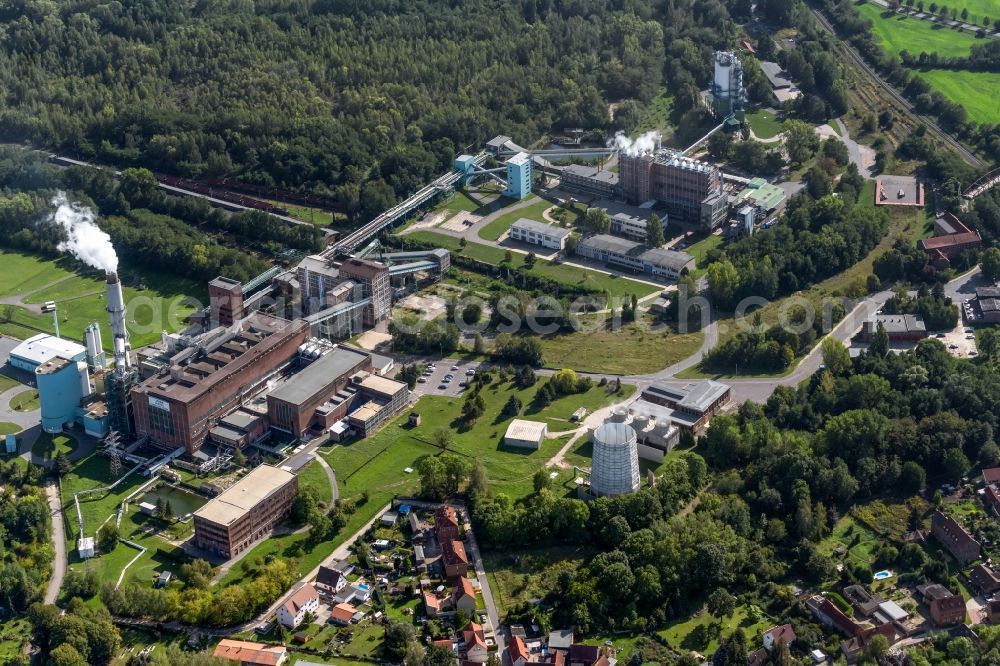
x=640 y=422
x=619 y=415
x=616 y=460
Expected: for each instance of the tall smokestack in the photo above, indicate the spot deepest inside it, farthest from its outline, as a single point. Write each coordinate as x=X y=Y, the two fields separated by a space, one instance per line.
x=116 y=313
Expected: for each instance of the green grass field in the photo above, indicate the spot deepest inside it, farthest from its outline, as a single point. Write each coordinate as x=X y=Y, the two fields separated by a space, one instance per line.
x=94 y=472
x=48 y=446
x=567 y=275
x=7 y=383
x=899 y=33
x=313 y=476
x=499 y=226
x=25 y=401
x=7 y=428
x=80 y=299
x=631 y=350
x=764 y=123
x=975 y=91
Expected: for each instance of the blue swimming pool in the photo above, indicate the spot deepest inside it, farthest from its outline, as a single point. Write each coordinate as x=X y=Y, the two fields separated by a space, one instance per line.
x=882 y=575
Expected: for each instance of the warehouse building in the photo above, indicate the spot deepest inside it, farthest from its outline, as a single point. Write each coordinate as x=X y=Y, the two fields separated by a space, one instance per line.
x=246 y=512
x=178 y=407
x=899 y=327
x=988 y=304
x=693 y=405
x=295 y=406
x=590 y=180
x=636 y=257
x=538 y=233
x=523 y=434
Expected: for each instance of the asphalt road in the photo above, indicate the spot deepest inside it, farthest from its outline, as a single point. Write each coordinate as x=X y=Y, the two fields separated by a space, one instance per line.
x=58 y=543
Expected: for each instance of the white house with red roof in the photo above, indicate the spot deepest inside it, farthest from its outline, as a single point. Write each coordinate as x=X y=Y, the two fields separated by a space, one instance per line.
x=303 y=601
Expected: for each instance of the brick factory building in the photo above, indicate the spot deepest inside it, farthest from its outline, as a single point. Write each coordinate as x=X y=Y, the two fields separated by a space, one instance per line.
x=246 y=512
x=317 y=392
x=178 y=407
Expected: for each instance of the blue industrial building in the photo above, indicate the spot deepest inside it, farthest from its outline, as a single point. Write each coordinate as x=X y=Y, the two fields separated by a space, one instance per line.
x=64 y=390
x=42 y=348
x=467 y=165
x=518 y=176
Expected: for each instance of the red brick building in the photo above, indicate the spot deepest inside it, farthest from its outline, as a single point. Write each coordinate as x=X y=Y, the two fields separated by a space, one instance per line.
x=946 y=609
x=454 y=558
x=954 y=538
x=177 y=408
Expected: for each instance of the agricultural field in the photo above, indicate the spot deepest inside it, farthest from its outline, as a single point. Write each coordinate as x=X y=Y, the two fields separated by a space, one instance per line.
x=571 y=276
x=156 y=302
x=975 y=91
x=897 y=33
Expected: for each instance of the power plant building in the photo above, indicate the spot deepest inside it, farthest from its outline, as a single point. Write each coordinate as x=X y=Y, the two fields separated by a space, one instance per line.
x=246 y=512
x=318 y=395
x=41 y=348
x=692 y=405
x=177 y=408
x=690 y=190
x=589 y=180
x=615 y=469
x=728 y=94
x=373 y=277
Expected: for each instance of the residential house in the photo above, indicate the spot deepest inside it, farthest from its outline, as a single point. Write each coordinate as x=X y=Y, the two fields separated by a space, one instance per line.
x=991 y=476
x=993 y=611
x=251 y=654
x=330 y=581
x=475 y=643
x=828 y=613
x=342 y=614
x=853 y=647
x=985 y=579
x=758 y=657
x=560 y=639
x=454 y=559
x=783 y=633
x=464 y=596
x=950 y=533
x=587 y=655
x=864 y=603
x=946 y=609
x=446 y=525
x=991 y=498
x=432 y=604
x=518 y=652
x=303 y=601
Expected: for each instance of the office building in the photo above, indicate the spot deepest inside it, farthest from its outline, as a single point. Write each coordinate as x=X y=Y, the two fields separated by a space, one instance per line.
x=632 y=227
x=899 y=327
x=539 y=233
x=246 y=512
x=381 y=399
x=636 y=257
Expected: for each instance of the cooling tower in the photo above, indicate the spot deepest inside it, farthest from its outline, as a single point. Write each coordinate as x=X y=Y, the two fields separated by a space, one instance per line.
x=616 y=460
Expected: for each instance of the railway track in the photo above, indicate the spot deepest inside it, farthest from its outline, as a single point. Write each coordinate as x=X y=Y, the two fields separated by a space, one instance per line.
x=934 y=128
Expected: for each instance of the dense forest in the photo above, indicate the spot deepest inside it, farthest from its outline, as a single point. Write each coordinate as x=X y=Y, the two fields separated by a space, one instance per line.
x=358 y=100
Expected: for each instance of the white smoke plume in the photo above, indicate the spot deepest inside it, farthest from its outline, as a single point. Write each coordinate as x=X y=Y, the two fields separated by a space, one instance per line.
x=85 y=240
x=646 y=143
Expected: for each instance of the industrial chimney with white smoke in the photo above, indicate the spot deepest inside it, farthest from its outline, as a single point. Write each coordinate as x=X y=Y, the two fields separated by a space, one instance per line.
x=119 y=333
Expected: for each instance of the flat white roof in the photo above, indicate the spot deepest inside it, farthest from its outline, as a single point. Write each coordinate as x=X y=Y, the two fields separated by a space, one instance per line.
x=44 y=347
x=245 y=494
x=892 y=610
x=525 y=430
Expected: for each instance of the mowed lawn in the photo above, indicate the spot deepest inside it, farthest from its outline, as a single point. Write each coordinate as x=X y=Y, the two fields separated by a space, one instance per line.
x=765 y=123
x=975 y=91
x=377 y=465
x=571 y=276
x=899 y=33
x=499 y=226
x=80 y=299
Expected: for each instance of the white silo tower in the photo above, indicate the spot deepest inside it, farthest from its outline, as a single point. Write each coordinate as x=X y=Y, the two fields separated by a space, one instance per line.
x=616 y=460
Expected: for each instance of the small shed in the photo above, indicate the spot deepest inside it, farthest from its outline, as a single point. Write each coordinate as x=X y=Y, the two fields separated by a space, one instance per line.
x=85 y=547
x=389 y=518
x=414 y=419
x=164 y=579
x=147 y=508
x=523 y=434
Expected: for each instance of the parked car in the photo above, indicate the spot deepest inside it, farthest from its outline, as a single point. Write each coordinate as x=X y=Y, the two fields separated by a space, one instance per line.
x=454 y=367
x=421 y=380
x=442 y=387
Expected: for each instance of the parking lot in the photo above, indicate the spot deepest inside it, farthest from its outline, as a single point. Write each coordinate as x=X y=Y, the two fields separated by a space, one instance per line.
x=961 y=340
x=433 y=381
